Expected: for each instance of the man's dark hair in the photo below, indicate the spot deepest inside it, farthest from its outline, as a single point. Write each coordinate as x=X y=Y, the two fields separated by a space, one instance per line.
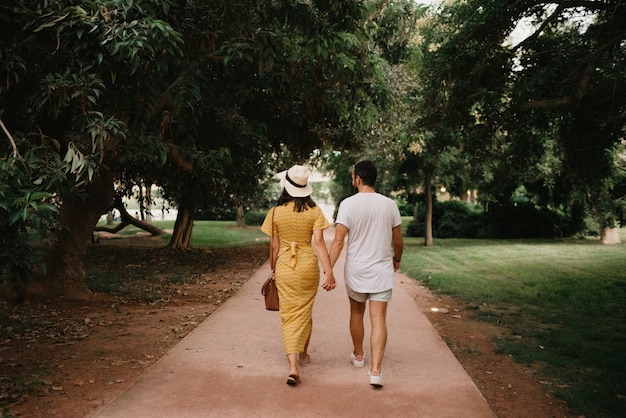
x=367 y=171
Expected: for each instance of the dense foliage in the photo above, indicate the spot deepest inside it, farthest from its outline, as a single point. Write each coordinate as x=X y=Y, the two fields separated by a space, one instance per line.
x=206 y=99
x=458 y=219
x=543 y=107
x=199 y=98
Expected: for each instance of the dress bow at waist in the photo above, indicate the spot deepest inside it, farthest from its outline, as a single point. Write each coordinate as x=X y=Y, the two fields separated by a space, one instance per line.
x=292 y=247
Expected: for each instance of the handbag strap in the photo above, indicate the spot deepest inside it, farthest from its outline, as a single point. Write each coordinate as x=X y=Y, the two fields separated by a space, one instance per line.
x=272 y=261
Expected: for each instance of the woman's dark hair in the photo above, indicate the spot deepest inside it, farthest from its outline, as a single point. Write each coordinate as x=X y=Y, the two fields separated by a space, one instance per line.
x=367 y=171
x=301 y=203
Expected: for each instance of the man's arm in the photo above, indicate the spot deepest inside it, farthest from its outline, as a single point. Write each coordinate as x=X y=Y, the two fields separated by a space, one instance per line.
x=337 y=245
x=398 y=246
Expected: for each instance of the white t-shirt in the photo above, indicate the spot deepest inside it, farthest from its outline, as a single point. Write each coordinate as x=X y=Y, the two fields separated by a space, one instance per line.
x=369 y=218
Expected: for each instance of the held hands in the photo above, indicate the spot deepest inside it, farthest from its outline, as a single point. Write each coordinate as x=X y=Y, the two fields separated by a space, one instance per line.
x=329 y=282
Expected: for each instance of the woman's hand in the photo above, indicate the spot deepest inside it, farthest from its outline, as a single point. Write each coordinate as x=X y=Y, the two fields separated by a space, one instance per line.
x=329 y=281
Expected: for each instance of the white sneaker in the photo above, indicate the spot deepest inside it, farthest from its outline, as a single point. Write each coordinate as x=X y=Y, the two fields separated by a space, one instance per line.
x=376 y=381
x=355 y=362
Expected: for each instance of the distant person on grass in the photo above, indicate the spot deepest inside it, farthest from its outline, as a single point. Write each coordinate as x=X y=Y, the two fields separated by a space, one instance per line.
x=373 y=225
x=296 y=219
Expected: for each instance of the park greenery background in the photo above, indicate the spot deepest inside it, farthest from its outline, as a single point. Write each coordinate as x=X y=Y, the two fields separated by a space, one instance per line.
x=204 y=101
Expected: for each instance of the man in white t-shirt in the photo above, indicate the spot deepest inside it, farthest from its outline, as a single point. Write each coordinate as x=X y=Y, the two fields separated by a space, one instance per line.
x=372 y=223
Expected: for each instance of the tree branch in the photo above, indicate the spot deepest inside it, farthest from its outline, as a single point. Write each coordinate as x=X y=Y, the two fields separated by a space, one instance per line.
x=562 y=102
x=165 y=129
x=127 y=219
x=536 y=33
x=115 y=230
x=6 y=131
x=584 y=86
x=177 y=157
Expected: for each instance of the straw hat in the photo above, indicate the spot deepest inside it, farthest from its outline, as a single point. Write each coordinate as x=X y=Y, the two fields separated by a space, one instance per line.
x=296 y=181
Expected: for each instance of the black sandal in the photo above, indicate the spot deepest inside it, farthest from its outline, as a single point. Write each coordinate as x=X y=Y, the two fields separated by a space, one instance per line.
x=293 y=379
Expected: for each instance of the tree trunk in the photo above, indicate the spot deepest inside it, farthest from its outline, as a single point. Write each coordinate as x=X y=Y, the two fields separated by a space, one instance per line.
x=181 y=236
x=126 y=219
x=64 y=275
x=428 y=221
x=148 y=203
x=472 y=198
x=241 y=220
x=608 y=233
x=610 y=236
x=142 y=207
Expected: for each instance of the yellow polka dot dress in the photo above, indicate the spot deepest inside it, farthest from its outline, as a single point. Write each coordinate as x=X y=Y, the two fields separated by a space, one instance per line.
x=297 y=271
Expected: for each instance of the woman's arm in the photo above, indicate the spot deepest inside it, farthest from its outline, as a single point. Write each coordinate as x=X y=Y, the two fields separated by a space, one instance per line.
x=274 y=247
x=322 y=253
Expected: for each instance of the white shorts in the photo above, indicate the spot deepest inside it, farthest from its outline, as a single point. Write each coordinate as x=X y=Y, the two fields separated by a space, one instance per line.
x=384 y=296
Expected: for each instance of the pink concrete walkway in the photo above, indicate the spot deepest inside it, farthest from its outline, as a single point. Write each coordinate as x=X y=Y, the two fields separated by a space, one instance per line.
x=233 y=365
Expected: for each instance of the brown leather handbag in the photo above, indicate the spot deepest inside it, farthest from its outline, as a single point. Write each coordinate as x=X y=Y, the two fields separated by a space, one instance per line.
x=270 y=292
x=269 y=289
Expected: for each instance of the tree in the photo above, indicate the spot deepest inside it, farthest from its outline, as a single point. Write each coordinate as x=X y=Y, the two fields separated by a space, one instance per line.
x=385 y=130
x=563 y=83
x=164 y=91
x=89 y=72
x=279 y=75
x=25 y=205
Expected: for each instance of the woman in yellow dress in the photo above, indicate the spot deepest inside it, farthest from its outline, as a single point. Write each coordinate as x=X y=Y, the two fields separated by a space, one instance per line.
x=296 y=219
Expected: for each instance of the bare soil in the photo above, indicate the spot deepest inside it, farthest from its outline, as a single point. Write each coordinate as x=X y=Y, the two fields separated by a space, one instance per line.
x=67 y=359
x=512 y=390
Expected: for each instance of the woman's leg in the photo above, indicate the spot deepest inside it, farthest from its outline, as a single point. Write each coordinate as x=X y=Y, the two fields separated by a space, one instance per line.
x=304 y=357
x=293 y=363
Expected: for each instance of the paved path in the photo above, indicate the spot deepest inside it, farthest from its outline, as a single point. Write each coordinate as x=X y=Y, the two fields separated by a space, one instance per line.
x=233 y=365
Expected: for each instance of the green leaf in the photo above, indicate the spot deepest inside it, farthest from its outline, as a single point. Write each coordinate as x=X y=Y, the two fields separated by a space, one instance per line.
x=14 y=217
x=48 y=207
x=38 y=195
x=50 y=24
x=69 y=155
x=134 y=64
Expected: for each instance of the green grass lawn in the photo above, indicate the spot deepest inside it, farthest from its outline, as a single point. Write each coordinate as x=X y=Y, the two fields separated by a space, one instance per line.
x=563 y=300
x=209 y=233
x=225 y=234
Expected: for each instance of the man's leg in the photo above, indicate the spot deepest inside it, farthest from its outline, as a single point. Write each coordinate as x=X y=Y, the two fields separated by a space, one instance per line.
x=378 y=338
x=357 y=329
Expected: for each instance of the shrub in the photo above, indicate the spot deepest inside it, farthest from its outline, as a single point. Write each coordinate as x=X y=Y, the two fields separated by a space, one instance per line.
x=416 y=228
x=457 y=219
x=255 y=217
x=216 y=214
x=406 y=209
x=523 y=220
x=452 y=218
